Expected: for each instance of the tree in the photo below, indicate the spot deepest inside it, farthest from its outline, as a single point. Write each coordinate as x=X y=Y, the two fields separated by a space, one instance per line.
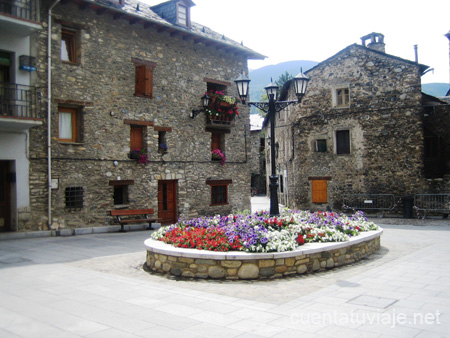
x=283 y=79
x=280 y=83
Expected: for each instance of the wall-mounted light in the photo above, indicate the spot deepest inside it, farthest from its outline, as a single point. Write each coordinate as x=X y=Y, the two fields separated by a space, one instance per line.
x=205 y=103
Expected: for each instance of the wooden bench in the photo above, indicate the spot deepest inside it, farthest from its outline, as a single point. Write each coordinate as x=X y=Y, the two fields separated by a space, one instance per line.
x=134 y=216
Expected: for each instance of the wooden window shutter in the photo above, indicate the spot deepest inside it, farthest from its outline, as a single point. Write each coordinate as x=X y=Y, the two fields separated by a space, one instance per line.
x=216 y=139
x=136 y=138
x=144 y=80
x=319 y=191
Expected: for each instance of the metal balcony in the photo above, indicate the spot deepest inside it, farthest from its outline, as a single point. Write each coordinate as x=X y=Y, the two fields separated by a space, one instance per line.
x=19 y=101
x=19 y=17
x=23 y=9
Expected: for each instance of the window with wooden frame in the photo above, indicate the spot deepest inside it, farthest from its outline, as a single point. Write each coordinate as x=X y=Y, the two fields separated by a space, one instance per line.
x=69 y=120
x=183 y=15
x=213 y=86
x=341 y=97
x=138 y=136
x=219 y=191
x=68 y=45
x=143 y=78
x=342 y=142
x=321 y=146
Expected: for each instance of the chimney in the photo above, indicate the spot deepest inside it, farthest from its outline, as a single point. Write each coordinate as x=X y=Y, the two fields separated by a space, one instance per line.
x=376 y=41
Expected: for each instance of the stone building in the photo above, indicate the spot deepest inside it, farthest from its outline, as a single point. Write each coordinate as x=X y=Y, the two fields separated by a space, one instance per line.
x=258 y=162
x=363 y=127
x=117 y=128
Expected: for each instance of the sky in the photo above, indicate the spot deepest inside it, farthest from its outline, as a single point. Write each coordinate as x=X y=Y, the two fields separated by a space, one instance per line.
x=286 y=30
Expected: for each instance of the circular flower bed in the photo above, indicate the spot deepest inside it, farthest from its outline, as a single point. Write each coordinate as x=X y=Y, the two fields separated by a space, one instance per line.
x=260 y=233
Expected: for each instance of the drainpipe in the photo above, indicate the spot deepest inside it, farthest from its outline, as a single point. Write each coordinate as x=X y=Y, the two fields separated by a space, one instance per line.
x=49 y=114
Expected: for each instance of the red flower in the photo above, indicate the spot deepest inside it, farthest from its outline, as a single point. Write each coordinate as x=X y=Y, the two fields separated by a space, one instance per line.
x=300 y=240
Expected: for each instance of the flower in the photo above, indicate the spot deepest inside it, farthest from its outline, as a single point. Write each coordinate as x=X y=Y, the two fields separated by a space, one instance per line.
x=140 y=155
x=218 y=155
x=258 y=232
x=222 y=105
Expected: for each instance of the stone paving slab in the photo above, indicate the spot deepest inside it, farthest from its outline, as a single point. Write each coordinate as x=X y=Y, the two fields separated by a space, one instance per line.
x=94 y=286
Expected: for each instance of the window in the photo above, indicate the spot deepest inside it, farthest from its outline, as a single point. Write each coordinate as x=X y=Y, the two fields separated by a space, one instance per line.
x=183 y=15
x=216 y=86
x=143 y=78
x=120 y=194
x=341 y=97
x=219 y=191
x=216 y=141
x=219 y=194
x=319 y=191
x=342 y=142
x=68 y=120
x=68 y=46
x=136 y=138
x=74 y=197
x=321 y=146
x=120 y=187
x=162 y=142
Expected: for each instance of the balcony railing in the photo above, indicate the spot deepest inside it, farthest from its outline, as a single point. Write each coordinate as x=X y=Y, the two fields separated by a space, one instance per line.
x=19 y=100
x=24 y=9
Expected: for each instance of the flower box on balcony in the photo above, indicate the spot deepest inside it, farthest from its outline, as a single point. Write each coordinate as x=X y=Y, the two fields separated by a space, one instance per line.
x=221 y=109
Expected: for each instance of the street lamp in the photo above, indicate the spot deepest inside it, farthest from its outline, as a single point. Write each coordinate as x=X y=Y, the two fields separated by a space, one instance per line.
x=272 y=107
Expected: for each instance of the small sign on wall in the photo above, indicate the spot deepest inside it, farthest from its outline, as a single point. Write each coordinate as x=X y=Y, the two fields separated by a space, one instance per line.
x=55 y=183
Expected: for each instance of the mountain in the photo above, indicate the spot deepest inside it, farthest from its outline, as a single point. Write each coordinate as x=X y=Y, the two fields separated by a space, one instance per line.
x=435 y=89
x=261 y=77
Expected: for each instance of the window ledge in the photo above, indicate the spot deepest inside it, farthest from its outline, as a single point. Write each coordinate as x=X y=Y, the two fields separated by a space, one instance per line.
x=67 y=143
x=215 y=205
x=70 y=63
x=121 y=206
x=144 y=96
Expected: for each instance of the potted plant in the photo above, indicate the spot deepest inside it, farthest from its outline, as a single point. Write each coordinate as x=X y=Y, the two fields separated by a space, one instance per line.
x=221 y=107
x=162 y=148
x=139 y=155
x=217 y=155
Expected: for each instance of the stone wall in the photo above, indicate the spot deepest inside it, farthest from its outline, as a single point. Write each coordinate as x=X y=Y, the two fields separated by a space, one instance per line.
x=258 y=165
x=101 y=85
x=183 y=263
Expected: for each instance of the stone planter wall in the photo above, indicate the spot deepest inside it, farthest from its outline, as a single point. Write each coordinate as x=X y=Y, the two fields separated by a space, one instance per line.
x=166 y=259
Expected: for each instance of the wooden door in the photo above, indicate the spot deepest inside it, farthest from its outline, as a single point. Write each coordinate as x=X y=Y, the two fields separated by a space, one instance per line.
x=5 y=205
x=319 y=191
x=167 y=201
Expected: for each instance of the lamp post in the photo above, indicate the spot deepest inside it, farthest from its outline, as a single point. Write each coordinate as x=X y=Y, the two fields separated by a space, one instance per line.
x=272 y=107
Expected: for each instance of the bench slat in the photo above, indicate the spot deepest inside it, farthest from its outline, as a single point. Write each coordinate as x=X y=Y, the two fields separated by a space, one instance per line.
x=130 y=212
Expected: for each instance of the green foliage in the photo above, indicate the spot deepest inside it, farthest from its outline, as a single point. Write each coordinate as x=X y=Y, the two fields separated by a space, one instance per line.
x=285 y=77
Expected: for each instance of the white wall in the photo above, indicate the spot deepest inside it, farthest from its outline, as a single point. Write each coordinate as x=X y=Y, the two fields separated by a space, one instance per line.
x=14 y=147
x=18 y=45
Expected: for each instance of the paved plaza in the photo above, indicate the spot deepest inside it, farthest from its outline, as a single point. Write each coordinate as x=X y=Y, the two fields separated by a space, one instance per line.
x=94 y=286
